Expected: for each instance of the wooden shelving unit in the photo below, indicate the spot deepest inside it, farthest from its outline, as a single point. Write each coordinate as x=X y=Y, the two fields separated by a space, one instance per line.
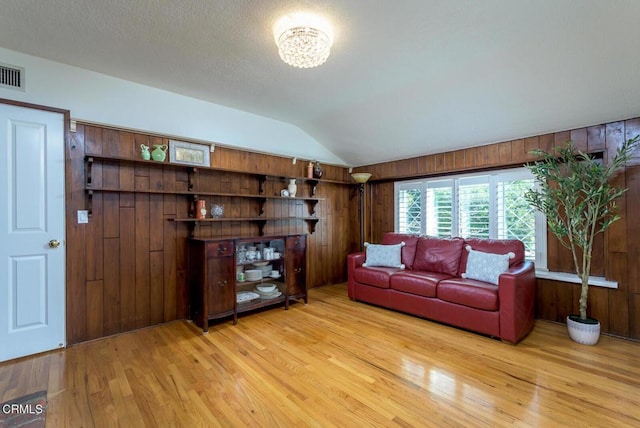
x=212 y=269
x=196 y=194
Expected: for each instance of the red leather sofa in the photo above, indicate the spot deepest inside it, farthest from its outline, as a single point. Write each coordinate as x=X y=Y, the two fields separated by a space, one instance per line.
x=432 y=285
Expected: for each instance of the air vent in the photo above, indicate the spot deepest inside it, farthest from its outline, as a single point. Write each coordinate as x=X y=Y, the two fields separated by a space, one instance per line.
x=11 y=77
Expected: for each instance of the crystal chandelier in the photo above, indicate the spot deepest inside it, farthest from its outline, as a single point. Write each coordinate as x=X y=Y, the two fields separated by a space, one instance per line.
x=303 y=40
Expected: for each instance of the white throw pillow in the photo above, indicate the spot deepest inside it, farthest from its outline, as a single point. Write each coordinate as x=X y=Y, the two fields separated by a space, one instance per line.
x=486 y=267
x=383 y=255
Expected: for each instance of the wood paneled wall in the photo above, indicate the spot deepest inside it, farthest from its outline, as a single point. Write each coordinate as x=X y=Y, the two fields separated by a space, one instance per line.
x=126 y=267
x=617 y=253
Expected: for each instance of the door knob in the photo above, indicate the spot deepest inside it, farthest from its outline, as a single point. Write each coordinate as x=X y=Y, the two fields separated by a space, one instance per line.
x=54 y=243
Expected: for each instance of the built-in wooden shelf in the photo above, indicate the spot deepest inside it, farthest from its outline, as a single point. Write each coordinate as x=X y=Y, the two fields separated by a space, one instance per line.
x=261 y=221
x=313 y=182
x=196 y=194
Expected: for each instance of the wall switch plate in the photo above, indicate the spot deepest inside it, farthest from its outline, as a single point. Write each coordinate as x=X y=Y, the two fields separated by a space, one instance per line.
x=83 y=216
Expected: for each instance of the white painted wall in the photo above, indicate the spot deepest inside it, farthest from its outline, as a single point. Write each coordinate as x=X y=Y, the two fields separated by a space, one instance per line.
x=103 y=99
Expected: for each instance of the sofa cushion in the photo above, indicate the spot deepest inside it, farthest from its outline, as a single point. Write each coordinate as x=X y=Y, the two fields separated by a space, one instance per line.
x=376 y=276
x=469 y=292
x=439 y=255
x=416 y=282
x=496 y=246
x=486 y=266
x=383 y=255
x=408 y=251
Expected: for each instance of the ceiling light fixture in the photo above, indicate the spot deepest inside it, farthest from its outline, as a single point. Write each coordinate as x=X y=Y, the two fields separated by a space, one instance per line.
x=304 y=40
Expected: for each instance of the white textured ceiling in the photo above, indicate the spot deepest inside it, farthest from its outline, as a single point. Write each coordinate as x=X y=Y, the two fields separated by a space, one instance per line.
x=404 y=78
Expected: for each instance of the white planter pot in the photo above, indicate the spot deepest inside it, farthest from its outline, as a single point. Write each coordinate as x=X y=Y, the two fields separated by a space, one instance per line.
x=583 y=333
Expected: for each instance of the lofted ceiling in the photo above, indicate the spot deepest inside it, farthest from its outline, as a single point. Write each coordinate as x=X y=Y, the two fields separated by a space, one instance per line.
x=404 y=78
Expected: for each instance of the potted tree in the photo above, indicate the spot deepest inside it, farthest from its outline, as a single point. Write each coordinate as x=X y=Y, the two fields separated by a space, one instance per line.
x=576 y=195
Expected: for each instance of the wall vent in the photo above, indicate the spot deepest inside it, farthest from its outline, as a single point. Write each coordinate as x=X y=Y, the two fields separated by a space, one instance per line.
x=11 y=77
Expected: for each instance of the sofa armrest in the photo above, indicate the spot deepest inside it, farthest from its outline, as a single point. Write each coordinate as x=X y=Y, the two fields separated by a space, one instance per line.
x=354 y=260
x=517 y=290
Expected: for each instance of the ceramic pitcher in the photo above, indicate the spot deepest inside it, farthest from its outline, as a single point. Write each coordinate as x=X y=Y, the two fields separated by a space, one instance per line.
x=144 y=152
x=159 y=152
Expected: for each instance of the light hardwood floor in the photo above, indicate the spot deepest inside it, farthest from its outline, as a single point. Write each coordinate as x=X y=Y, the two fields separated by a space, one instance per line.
x=333 y=363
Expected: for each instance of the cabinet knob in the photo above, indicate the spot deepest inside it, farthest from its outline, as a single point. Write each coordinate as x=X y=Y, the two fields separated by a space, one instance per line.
x=222 y=250
x=222 y=283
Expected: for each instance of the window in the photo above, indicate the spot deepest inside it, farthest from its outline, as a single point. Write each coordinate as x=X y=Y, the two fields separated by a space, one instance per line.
x=439 y=208
x=474 y=205
x=410 y=203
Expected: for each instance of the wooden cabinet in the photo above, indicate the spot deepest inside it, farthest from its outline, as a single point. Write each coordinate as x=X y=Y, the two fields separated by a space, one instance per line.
x=211 y=268
x=296 y=268
x=216 y=288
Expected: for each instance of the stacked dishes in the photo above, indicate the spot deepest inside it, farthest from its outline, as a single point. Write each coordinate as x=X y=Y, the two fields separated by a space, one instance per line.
x=246 y=296
x=253 y=274
x=268 y=291
x=266 y=288
x=264 y=267
x=266 y=270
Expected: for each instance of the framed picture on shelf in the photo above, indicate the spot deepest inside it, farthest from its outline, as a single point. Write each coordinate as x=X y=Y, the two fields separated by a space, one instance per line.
x=189 y=153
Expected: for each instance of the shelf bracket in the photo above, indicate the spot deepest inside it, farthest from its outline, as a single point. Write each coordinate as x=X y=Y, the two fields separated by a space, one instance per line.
x=312 y=203
x=314 y=186
x=192 y=229
x=262 y=179
x=311 y=224
x=89 y=171
x=192 y=206
x=262 y=201
x=261 y=224
x=191 y=172
x=89 y=202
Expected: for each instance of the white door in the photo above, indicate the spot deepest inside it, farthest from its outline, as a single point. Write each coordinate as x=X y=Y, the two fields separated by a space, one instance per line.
x=32 y=254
